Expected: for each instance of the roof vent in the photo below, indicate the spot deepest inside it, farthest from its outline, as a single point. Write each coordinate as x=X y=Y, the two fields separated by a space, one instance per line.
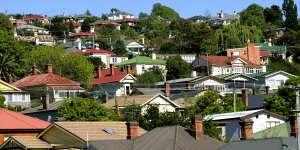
x=109 y=131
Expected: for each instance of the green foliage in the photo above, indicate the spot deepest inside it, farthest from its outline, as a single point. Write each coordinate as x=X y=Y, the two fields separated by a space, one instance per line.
x=88 y=13
x=82 y=109
x=5 y=24
x=74 y=67
x=169 y=48
x=2 y=100
x=119 y=48
x=228 y=103
x=129 y=32
x=290 y=12
x=86 y=25
x=253 y=16
x=148 y=78
x=152 y=27
x=96 y=61
x=277 y=104
x=57 y=27
x=104 y=17
x=237 y=35
x=178 y=68
x=274 y=15
x=284 y=66
x=164 y=12
x=71 y=27
x=294 y=81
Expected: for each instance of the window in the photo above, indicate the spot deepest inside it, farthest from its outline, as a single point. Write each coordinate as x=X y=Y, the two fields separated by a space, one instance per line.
x=268 y=116
x=271 y=124
x=236 y=53
x=256 y=116
x=114 y=59
x=245 y=52
x=238 y=69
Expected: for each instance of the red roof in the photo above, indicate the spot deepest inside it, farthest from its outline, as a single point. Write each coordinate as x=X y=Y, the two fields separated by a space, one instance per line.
x=84 y=34
x=34 y=17
x=127 y=20
x=94 y=51
x=264 y=53
x=48 y=78
x=224 y=60
x=77 y=24
x=11 y=120
x=107 y=78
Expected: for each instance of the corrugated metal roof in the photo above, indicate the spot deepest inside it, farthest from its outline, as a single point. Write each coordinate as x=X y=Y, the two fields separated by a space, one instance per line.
x=231 y=115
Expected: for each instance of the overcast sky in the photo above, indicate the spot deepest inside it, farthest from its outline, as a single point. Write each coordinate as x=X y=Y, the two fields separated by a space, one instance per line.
x=186 y=8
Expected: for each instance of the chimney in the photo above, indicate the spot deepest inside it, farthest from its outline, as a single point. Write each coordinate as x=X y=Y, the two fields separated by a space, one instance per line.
x=112 y=69
x=34 y=70
x=167 y=90
x=246 y=129
x=49 y=68
x=197 y=127
x=245 y=97
x=194 y=74
x=267 y=90
x=128 y=69
x=132 y=129
x=46 y=102
x=293 y=125
x=153 y=56
x=98 y=72
x=105 y=97
x=10 y=79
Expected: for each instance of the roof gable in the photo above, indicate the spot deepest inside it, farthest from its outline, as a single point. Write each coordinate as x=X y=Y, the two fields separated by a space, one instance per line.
x=7 y=87
x=154 y=100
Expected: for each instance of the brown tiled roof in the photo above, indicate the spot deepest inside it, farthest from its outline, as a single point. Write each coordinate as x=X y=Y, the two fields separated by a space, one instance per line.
x=31 y=142
x=94 y=130
x=129 y=100
x=224 y=60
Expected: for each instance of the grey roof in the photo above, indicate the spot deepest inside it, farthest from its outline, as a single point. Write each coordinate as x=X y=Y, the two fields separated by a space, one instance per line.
x=198 y=18
x=184 y=93
x=289 y=143
x=231 y=115
x=162 y=138
x=53 y=107
x=256 y=101
x=149 y=90
x=176 y=81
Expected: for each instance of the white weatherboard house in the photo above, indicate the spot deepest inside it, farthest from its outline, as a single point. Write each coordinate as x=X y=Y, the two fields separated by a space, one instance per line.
x=229 y=122
x=163 y=103
x=272 y=79
x=133 y=47
x=116 y=14
x=138 y=65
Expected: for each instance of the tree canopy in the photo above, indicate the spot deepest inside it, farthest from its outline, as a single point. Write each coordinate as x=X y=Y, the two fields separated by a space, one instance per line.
x=148 y=78
x=291 y=15
x=177 y=68
x=5 y=24
x=253 y=15
x=164 y=12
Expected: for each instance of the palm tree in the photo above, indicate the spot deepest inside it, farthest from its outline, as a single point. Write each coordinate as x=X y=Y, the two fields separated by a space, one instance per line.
x=7 y=66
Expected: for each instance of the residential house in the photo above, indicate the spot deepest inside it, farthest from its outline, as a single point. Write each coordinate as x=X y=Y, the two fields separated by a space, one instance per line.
x=74 y=135
x=250 y=53
x=225 y=19
x=38 y=39
x=116 y=14
x=99 y=23
x=133 y=47
x=48 y=84
x=272 y=50
x=163 y=138
x=229 y=122
x=113 y=81
x=17 y=124
x=115 y=59
x=13 y=95
x=77 y=27
x=37 y=18
x=33 y=29
x=163 y=103
x=199 y=19
x=46 y=112
x=131 y=22
x=248 y=143
x=273 y=79
x=189 y=58
x=138 y=65
x=17 y=22
x=219 y=65
x=80 y=18
x=104 y=55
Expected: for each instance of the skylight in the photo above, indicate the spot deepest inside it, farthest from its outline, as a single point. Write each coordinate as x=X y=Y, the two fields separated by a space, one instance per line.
x=109 y=131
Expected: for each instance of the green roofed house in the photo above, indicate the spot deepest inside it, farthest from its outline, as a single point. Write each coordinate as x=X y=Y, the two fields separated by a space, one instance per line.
x=267 y=50
x=138 y=65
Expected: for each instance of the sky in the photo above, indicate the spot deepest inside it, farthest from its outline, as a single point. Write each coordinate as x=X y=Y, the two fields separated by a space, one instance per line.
x=185 y=8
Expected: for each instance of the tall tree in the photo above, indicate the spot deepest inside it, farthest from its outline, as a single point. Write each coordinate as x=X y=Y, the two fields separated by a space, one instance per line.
x=178 y=68
x=5 y=24
x=274 y=15
x=148 y=78
x=164 y=12
x=119 y=48
x=253 y=15
x=88 y=13
x=290 y=12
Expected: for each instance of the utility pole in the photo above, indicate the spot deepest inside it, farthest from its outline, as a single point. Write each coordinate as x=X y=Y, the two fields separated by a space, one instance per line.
x=297 y=111
x=234 y=100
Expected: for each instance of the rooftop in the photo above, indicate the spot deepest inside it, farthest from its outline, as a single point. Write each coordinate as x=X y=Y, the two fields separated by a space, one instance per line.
x=142 y=60
x=94 y=51
x=272 y=49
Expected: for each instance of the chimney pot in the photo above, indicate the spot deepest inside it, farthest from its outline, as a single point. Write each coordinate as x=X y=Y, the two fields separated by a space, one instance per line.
x=167 y=90
x=246 y=129
x=197 y=127
x=245 y=97
x=132 y=129
x=49 y=68
x=46 y=102
x=112 y=69
x=34 y=70
x=10 y=79
x=293 y=125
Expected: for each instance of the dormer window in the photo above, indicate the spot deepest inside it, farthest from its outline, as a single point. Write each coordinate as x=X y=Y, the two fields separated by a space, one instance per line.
x=236 y=53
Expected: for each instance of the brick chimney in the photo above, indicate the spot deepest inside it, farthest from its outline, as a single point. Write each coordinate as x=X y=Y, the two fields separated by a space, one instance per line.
x=10 y=79
x=105 y=97
x=49 y=68
x=132 y=129
x=128 y=69
x=34 y=70
x=112 y=69
x=167 y=89
x=46 y=102
x=246 y=129
x=267 y=90
x=245 y=97
x=197 y=127
x=293 y=125
x=98 y=72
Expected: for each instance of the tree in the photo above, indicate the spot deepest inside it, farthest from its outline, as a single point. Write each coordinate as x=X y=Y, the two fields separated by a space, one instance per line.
x=228 y=103
x=290 y=13
x=104 y=17
x=284 y=66
x=277 y=104
x=96 y=61
x=274 y=15
x=148 y=78
x=83 y=109
x=209 y=104
x=164 y=12
x=169 y=48
x=2 y=104
x=5 y=24
x=153 y=27
x=253 y=16
x=86 y=25
x=57 y=27
x=74 y=67
x=119 y=48
x=71 y=27
x=178 y=68
x=88 y=13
